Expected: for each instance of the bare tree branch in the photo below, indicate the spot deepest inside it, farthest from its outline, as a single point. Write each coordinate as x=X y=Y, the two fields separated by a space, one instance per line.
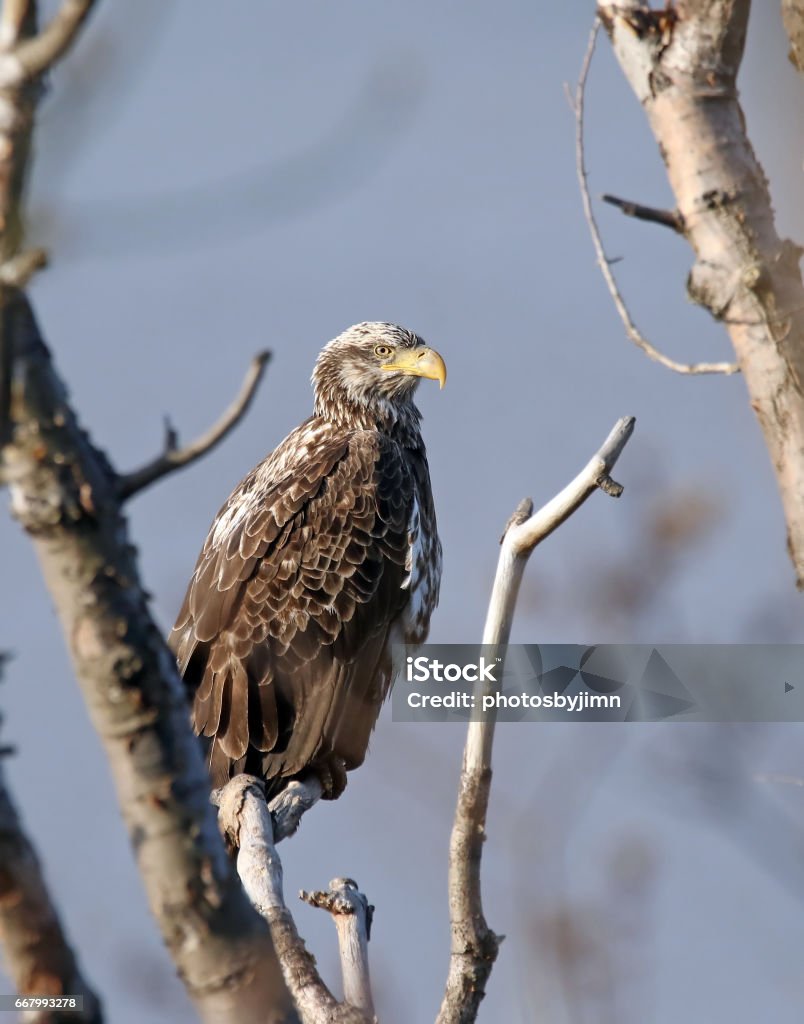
x=352 y=914
x=666 y=218
x=31 y=57
x=633 y=332
x=474 y=944
x=682 y=64
x=174 y=458
x=18 y=20
x=12 y=18
x=245 y=818
x=38 y=956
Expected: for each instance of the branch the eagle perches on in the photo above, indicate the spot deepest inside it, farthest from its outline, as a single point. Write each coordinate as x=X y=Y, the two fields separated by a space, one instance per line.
x=256 y=828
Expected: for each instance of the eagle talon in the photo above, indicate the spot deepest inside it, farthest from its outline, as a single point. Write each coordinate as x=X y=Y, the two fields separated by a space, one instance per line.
x=332 y=776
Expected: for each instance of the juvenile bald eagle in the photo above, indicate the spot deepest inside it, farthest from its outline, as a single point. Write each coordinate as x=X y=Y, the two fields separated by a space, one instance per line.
x=324 y=556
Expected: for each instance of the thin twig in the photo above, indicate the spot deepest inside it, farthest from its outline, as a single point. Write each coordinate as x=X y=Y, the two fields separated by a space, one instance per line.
x=173 y=458
x=474 y=944
x=652 y=214
x=17 y=20
x=603 y=262
x=352 y=914
x=244 y=816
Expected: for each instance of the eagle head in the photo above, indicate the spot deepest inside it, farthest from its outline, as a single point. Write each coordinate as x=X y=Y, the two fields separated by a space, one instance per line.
x=373 y=368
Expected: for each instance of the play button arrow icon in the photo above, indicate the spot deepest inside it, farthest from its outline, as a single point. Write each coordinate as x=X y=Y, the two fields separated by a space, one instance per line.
x=788 y=687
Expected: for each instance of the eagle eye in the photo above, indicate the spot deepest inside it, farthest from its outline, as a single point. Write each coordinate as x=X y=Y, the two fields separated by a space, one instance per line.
x=383 y=351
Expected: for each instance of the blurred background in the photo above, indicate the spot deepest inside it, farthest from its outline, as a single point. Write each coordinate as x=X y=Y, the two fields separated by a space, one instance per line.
x=214 y=179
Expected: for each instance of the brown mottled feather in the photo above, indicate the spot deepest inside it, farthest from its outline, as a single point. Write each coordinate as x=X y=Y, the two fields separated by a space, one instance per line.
x=304 y=581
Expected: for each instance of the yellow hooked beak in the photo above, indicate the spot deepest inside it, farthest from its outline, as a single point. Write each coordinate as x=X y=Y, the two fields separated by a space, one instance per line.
x=419 y=362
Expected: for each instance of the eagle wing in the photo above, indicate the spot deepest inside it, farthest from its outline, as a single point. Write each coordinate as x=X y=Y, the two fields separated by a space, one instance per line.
x=284 y=635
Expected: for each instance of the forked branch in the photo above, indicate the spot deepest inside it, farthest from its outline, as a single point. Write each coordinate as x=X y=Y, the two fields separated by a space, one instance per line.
x=474 y=944
x=32 y=56
x=244 y=816
x=174 y=457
